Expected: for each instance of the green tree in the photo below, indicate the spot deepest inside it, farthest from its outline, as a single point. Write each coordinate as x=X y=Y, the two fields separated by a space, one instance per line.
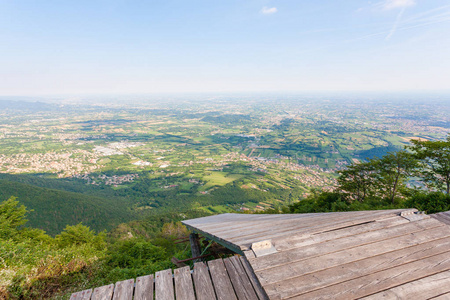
x=358 y=180
x=392 y=171
x=434 y=157
x=78 y=235
x=12 y=216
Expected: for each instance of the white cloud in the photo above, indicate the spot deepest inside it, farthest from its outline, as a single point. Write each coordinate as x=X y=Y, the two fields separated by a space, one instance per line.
x=391 y=4
x=269 y=10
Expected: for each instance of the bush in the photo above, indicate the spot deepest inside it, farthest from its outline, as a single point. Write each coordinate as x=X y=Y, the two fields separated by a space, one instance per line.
x=134 y=253
x=79 y=235
x=430 y=202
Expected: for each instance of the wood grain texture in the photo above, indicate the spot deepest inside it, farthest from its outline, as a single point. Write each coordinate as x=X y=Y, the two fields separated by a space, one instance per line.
x=144 y=288
x=445 y=296
x=103 y=293
x=443 y=217
x=241 y=283
x=83 y=295
x=164 y=285
x=203 y=286
x=227 y=223
x=339 y=244
x=221 y=280
x=123 y=290
x=383 y=280
x=253 y=279
x=335 y=275
x=306 y=239
x=425 y=288
x=310 y=225
x=314 y=264
x=184 y=289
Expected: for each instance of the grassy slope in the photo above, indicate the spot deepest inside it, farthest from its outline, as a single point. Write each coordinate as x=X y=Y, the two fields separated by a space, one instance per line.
x=54 y=209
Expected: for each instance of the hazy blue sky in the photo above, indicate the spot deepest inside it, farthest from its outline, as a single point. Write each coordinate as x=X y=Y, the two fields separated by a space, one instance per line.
x=114 y=46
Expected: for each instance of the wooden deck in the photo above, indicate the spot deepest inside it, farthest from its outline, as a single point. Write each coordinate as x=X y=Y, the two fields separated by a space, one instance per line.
x=443 y=217
x=224 y=279
x=393 y=254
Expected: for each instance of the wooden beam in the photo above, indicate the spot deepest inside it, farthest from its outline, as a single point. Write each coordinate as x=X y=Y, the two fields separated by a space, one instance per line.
x=195 y=245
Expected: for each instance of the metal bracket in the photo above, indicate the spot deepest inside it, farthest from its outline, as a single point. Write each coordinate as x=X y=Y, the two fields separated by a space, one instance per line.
x=263 y=248
x=414 y=215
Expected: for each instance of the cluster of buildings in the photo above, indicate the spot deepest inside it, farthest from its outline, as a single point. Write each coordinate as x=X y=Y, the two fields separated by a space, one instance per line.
x=63 y=163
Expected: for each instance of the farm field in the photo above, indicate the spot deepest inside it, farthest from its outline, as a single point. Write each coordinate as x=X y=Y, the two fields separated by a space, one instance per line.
x=233 y=155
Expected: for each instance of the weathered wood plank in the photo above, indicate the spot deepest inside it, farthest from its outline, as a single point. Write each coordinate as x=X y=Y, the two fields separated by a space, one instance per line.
x=202 y=281
x=195 y=245
x=267 y=232
x=233 y=221
x=123 y=290
x=445 y=296
x=83 y=295
x=254 y=222
x=424 y=288
x=144 y=288
x=164 y=285
x=103 y=293
x=335 y=275
x=339 y=244
x=297 y=224
x=443 y=217
x=313 y=259
x=222 y=284
x=309 y=238
x=386 y=279
x=253 y=279
x=241 y=284
x=311 y=265
x=184 y=290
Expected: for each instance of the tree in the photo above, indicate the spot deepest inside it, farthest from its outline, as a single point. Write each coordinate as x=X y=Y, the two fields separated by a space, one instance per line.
x=12 y=216
x=79 y=235
x=358 y=180
x=392 y=170
x=434 y=157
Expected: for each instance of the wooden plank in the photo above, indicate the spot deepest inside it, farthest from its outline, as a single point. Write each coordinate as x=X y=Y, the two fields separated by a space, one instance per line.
x=442 y=297
x=386 y=279
x=335 y=275
x=444 y=218
x=184 y=290
x=218 y=221
x=195 y=245
x=144 y=288
x=164 y=285
x=311 y=265
x=253 y=228
x=83 y=295
x=241 y=284
x=305 y=239
x=203 y=285
x=233 y=221
x=425 y=288
x=253 y=279
x=103 y=293
x=222 y=284
x=366 y=238
x=269 y=232
x=250 y=222
x=124 y=290
x=228 y=230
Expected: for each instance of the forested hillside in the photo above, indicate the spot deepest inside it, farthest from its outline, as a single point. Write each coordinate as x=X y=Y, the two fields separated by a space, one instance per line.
x=53 y=209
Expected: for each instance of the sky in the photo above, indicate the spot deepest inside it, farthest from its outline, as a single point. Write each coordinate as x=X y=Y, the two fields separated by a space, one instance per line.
x=118 y=47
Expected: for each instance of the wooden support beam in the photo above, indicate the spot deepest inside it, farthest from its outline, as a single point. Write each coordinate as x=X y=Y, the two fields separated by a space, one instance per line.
x=195 y=245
